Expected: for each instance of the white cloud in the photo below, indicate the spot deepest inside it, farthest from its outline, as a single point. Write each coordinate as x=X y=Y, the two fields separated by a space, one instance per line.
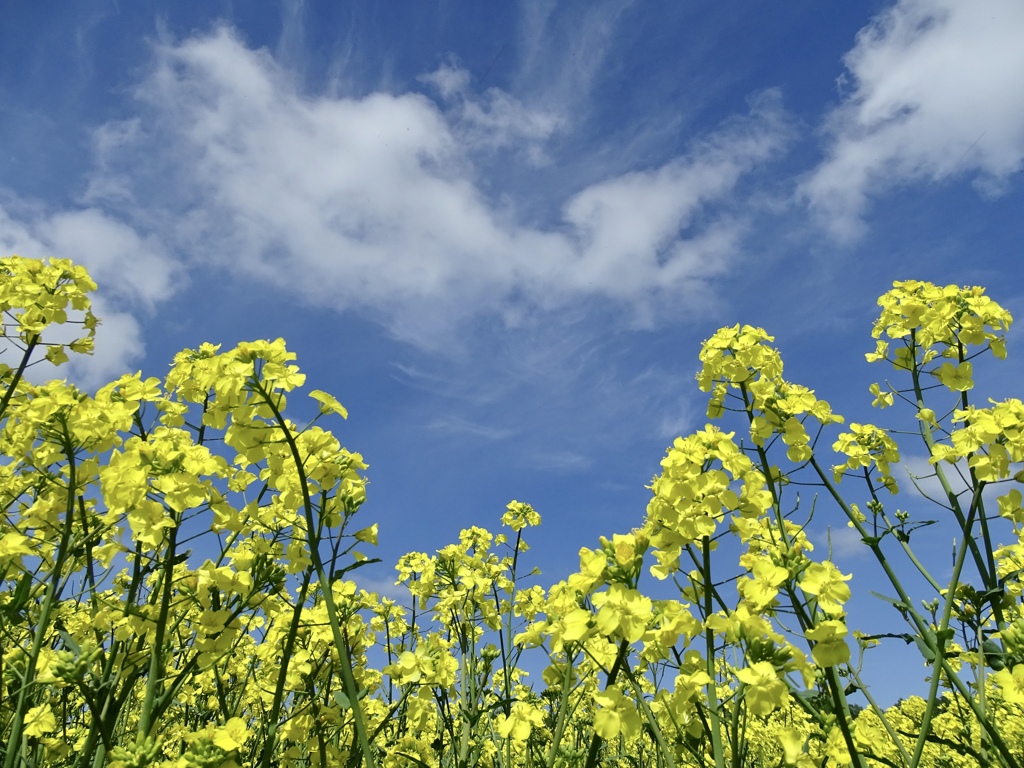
x=15 y=237
x=842 y=542
x=922 y=477
x=630 y=227
x=455 y=425
x=450 y=80
x=132 y=272
x=131 y=268
x=560 y=461
x=373 y=204
x=935 y=93
x=564 y=53
x=494 y=121
x=119 y=345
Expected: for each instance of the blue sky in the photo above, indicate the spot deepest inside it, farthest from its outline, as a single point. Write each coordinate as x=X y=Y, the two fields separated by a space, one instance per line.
x=499 y=232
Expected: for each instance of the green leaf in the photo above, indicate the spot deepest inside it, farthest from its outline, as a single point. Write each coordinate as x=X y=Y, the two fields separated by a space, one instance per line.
x=992 y=648
x=69 y=642
x=359 y=564
x=20 y=597
x=922 y=646
x=345 y=702
x=901 y=606
x=994 y=656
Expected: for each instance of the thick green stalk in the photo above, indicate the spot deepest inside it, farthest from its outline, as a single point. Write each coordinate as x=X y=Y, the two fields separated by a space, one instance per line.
x=156 y=660
x=906 y=602
x=467 y=717
x=929 y=440
x=927 y=637
x=986 y=536
x=110 y=704
x=506 y=635
x=843 y=717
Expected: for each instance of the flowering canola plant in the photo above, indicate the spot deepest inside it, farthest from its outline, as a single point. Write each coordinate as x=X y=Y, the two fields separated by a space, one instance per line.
x=120 y=646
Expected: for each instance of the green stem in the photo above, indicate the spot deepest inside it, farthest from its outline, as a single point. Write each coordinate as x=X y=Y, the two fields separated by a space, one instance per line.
x=467 y=716
x=880 y=714
x=652 y=721
x=986 y=537
x=907 y=604
x=843 y=716
x=596 y=741
x=913 y=558
x=954 y=503
x=709 y=644
x=286 y=655
x=997 y=738
x=940 y=635
x=927 y=637
x=32 y=342
x=147 y=719
x=313 y=542
x=53 y=589
x=560 y=718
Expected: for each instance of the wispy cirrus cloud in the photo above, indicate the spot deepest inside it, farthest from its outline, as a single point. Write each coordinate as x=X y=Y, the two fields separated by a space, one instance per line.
x=493 y=120
x=453 y=425
x=932 y=93
x=563 y=54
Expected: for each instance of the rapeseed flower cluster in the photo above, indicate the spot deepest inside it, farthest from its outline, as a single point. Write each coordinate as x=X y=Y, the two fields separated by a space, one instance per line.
x=120 y=646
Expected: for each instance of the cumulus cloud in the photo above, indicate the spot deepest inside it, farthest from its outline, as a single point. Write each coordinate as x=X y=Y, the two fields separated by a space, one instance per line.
x=132 y=272
x=933 y=93
x=131 y=268
x=372 y=203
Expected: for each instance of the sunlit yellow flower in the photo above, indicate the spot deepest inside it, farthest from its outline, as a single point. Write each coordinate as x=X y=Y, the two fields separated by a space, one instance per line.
x=764 y=691
x=519 y=515
x=232 y=735
x=882 y=399
x=829 y=585
x=328 y=403
x=520 y=722
x=617 y=714
x=1011 y=683
x=958 y=378
x=39 y=721
x=829 y=648
x=367 y=535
